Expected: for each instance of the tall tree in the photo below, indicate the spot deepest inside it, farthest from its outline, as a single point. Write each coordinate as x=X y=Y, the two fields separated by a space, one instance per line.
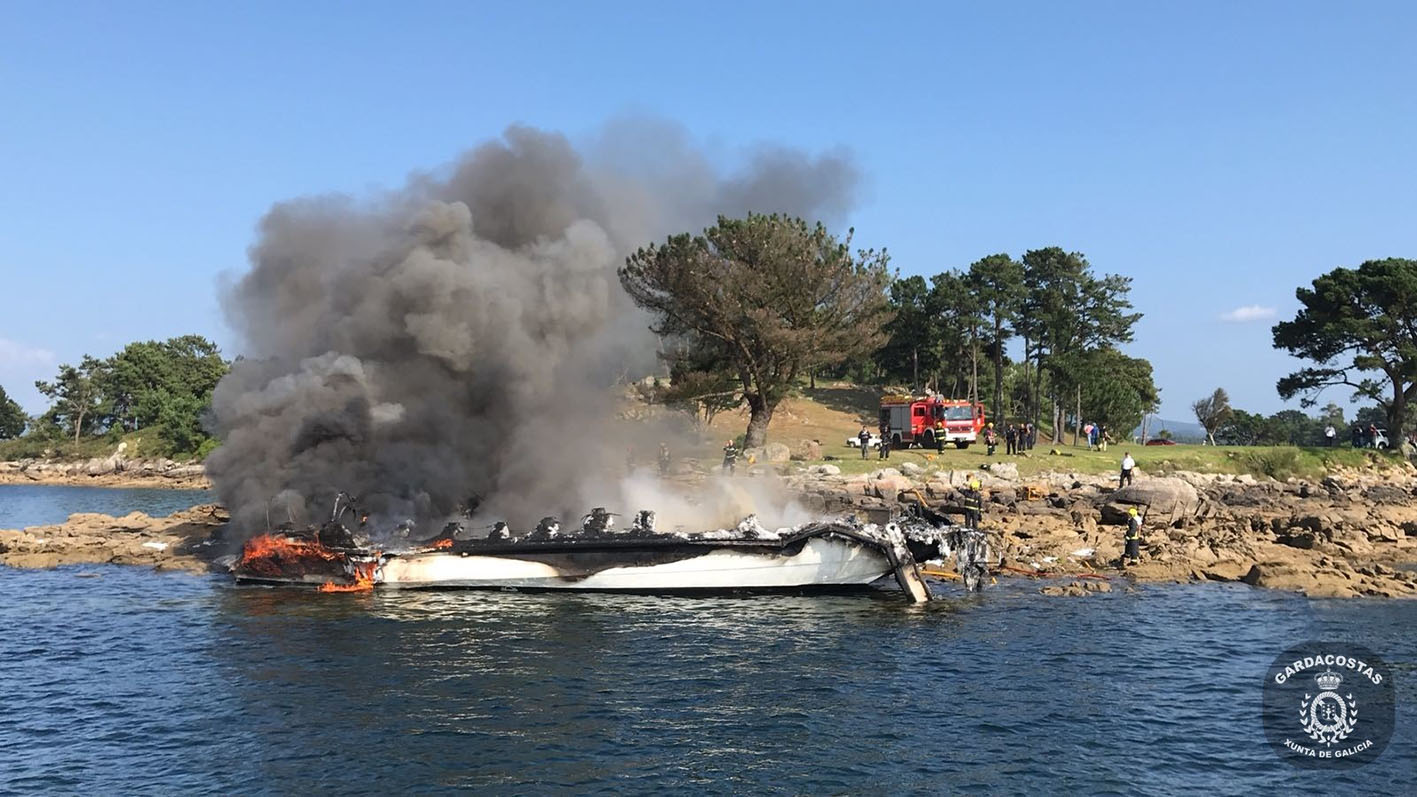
x=1360 y=327
x=1111 y=388
x=997 y=281
x=75 y=394
x=1212 y=411
x=956 y=309
x=1067 y=309
x=139 y=382
x=12 y=417
x=766 y=297
x=913 y=343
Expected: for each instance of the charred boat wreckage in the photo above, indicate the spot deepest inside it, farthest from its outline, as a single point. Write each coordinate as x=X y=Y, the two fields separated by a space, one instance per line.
x=833 y=554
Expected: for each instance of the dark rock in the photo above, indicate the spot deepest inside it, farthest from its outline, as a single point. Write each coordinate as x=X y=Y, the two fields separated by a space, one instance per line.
x=1386 y=494
x=1297 y=538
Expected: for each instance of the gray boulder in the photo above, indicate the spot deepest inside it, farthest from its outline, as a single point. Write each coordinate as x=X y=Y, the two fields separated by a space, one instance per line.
x=1164 y=500
x=776 y=452
x=1004 y=470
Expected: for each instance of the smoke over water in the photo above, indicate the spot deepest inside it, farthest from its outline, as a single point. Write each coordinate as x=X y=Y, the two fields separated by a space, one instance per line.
x=457 y=337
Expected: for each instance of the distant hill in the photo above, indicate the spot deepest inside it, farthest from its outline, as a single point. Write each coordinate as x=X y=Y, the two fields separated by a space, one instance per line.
x=1181 y=431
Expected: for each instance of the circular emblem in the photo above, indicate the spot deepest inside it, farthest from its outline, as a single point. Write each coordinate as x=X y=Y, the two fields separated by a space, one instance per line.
x=1328 y=705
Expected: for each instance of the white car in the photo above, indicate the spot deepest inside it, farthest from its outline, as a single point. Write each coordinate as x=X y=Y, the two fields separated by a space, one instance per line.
x=874 y=442
x=1379 y=440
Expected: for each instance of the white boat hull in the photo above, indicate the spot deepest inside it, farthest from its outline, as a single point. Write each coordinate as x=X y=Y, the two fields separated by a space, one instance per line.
x=819 y=562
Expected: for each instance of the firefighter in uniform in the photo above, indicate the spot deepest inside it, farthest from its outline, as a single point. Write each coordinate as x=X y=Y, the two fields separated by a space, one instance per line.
x=730 y=458
x=939 y=437
x=973 y=504
x=1132 y=554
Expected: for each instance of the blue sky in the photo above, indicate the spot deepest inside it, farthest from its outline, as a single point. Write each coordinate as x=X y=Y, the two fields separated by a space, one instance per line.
x=1219 y=153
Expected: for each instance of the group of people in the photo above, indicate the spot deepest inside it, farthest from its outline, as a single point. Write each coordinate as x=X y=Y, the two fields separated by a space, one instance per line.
x=1097 y=437
x=1018 y=438
x=1362 y=438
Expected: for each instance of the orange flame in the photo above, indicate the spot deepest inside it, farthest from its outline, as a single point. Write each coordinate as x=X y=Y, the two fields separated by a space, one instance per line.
x=363 y=580
x=443 y=544
x=269 y=554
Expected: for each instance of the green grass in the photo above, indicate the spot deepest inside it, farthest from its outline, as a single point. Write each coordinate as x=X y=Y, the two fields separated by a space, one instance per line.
x=140 y=444
x=1279 y=462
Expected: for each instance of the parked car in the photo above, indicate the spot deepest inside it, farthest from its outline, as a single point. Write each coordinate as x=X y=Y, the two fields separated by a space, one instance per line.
x=1379 y=440
x=1160 y=441
x=874 y=442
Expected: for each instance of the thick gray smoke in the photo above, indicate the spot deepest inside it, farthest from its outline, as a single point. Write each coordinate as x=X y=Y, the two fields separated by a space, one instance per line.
x=457 y=338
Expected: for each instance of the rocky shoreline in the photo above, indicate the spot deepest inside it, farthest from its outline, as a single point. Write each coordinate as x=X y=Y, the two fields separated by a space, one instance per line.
x=1352 y=534
x=112 y=471
x=187 y=540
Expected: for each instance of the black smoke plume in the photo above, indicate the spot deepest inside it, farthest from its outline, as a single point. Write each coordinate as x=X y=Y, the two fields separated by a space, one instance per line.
x=455 y=340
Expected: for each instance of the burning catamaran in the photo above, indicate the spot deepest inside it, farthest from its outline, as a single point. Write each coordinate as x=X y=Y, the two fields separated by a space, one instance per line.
x=828 y=554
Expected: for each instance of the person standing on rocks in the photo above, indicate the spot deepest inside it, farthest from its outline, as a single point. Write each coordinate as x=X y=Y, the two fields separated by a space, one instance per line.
x=1128 y=465
x=864 y=438
x=973 y=504
x=1132 y=554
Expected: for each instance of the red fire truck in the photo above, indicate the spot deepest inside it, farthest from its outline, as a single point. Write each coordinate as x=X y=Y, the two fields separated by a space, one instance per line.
x=910 y=421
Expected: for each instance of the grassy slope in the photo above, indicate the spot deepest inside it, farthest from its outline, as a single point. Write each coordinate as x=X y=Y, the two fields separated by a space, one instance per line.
x=140 y=444
x=834 y=412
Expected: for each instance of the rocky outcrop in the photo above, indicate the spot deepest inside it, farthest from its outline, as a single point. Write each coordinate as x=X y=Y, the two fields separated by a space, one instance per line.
x=112 y=471
x=187 y=540
x=1352 y=534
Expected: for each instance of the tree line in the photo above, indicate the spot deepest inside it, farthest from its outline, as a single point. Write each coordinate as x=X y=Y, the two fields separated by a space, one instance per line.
x=1225 y=425
x=752 y=307
x=162 y=386
x=952 y=333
